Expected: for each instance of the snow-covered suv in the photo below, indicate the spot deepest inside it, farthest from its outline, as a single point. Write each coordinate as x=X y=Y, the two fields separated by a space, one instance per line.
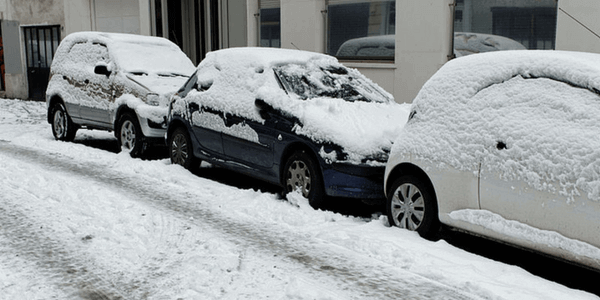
x=115 y=82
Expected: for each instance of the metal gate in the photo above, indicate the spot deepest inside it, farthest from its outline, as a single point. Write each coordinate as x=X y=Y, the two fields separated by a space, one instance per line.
x=40 y=45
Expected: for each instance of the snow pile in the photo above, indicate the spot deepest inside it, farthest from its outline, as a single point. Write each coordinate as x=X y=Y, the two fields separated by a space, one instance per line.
x=539 y=104
x=231 y=80
x=522 y=231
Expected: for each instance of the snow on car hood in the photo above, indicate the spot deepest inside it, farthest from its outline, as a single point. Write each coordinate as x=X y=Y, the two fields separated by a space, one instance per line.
x=232 y=79
x=163 y=85
x=550 y=128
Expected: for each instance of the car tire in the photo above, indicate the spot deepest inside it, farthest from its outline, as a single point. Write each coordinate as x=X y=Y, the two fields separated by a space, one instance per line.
x=130 y=134
x=301 y=172
x=411 y=204
x=63 y=128
x=181 y=150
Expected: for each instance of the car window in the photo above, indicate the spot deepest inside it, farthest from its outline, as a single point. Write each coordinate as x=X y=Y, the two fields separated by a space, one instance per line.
x=85 y=56
x=190 y=84
x=332 y=82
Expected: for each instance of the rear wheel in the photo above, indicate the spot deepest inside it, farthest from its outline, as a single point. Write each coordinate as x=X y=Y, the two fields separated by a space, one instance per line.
x=302 y=174
x=130 y=134
x=63 y=128
x=181 y=150
x=411 y=205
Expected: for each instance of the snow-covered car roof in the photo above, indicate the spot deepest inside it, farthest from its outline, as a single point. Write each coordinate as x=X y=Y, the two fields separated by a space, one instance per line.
x=372 y=46
x=465 y=43
x=232 y=79
x=544 y=105
x=263 y=57
x=132 y=53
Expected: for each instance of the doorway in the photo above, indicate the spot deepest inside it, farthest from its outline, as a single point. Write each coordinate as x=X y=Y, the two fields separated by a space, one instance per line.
x=191 y=24
x=40 y=45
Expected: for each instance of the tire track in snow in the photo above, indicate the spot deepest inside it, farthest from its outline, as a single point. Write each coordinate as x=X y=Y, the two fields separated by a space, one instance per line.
x=372 y=280
x=33 y=242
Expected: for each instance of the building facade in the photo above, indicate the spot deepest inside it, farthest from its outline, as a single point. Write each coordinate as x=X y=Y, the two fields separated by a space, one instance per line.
x=397 y=43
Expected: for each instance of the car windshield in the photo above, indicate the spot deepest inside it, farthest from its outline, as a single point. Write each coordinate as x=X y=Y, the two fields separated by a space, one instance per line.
x=330 y=81
x=145 y=59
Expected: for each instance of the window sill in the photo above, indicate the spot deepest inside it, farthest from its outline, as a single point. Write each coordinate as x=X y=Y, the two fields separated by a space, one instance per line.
x=369 y=64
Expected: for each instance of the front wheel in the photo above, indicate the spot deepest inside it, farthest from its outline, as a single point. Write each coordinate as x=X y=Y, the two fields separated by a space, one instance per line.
x=130 y=134
x=63 y=128
x=302 y=174
x=411 y=205
x=181 y=150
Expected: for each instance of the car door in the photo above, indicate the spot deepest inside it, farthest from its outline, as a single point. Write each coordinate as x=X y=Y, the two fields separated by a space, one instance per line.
x=207 y=125
x=249 y=142
x=92 y=91
x=537 y=156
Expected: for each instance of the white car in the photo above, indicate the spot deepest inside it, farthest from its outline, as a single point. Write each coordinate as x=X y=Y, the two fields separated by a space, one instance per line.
x=505 y=145
x=115 y=82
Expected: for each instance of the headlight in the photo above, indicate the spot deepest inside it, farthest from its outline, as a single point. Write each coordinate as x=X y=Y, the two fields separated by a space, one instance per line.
x=153 y=99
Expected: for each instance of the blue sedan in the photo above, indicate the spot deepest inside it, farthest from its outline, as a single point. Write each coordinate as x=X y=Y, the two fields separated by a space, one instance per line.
x=296 y=119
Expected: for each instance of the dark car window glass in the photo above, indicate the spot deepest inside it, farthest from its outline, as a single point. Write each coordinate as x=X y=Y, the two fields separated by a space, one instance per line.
x=331 y=82
x=188 y=86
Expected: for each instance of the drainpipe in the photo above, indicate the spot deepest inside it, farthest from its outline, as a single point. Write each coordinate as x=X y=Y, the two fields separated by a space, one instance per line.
x=451 y=54
x=93 y=15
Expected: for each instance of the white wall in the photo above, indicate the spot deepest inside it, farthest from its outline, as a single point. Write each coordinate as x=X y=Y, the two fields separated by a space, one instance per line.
x=571 y=35
x=303 y=25
x=423 y=33
x=77 y=16
x=252 y=22
x=117 y=15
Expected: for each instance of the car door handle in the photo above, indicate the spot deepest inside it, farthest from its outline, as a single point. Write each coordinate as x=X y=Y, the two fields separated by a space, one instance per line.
x=194 y=107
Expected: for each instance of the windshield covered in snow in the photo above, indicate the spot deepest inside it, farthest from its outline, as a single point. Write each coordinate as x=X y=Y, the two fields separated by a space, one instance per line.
x=146 y=59
x=329 y=82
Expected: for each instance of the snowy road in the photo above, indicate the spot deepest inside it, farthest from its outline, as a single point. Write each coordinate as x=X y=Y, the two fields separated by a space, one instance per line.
x=364 y=279
x=82 y=223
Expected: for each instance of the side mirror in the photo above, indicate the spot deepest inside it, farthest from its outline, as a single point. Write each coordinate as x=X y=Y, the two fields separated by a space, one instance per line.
x=264 y=109
x=102 y=69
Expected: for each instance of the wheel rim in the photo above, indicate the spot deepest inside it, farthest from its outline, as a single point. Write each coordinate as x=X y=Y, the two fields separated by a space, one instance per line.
x=128 y=135
x=408 y=207
x=60 y=123
x=299 y=177
x=179 y=150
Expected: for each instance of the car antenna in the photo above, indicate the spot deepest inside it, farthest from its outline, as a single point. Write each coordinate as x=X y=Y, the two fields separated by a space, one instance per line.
x=295 y=46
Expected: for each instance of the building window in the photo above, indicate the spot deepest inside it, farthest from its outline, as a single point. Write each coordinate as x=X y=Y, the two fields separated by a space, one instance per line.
x=533 y=27
x=361 y=30
x=482 y=26
x=270 y=23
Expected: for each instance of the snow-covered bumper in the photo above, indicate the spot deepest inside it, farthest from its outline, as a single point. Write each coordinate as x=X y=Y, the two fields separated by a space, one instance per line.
x=354 y=181
x=153 y=129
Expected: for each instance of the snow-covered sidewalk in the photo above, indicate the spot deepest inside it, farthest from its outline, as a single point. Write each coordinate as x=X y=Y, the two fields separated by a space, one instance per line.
x=78 y=222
